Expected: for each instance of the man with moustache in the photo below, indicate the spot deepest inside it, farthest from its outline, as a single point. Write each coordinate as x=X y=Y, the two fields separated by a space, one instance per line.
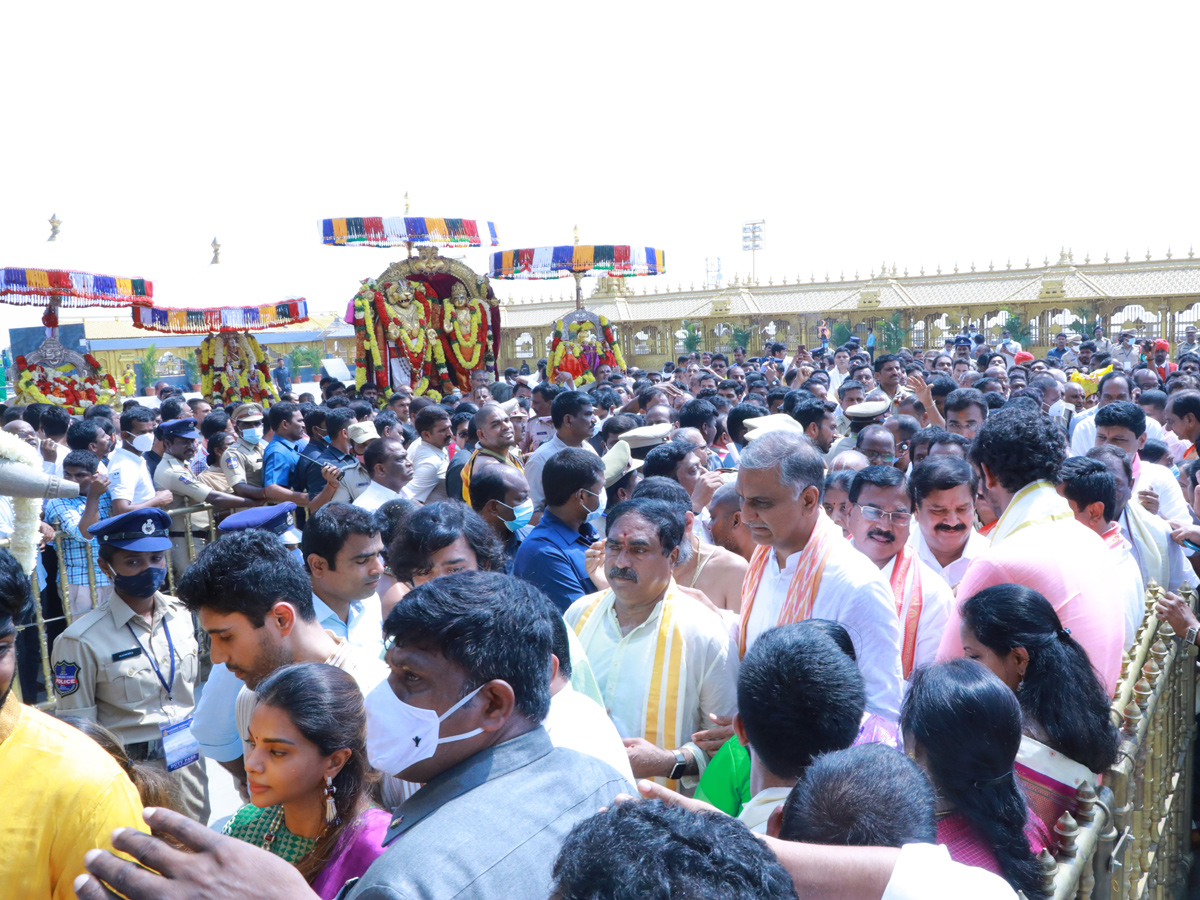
x=645 y=638
x=880 y=518
x=942 y=489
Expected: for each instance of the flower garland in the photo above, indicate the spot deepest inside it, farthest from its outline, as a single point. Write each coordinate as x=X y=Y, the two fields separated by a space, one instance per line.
x=64 y=387
x=612 y=343
x=473 y=340
x=254 y=362
x=27 y=511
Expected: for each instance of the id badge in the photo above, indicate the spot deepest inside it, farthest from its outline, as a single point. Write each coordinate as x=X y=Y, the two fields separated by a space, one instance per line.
x=179 y=746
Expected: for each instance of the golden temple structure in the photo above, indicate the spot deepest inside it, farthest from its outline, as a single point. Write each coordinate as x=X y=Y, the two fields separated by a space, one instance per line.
x=1153 y=297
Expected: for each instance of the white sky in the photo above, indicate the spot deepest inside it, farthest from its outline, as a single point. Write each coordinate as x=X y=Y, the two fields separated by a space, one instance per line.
x=914 y=133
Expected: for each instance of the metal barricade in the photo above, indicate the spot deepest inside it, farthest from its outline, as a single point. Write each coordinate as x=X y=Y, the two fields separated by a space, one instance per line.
x=40 y=621
x=1131 y=839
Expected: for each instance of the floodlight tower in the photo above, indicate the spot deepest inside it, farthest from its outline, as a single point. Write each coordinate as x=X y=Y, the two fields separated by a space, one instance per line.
x=752 y=240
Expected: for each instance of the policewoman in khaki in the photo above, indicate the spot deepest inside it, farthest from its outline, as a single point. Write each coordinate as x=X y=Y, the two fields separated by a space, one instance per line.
x=174 y=474
x=132 y=664
x=243 y=462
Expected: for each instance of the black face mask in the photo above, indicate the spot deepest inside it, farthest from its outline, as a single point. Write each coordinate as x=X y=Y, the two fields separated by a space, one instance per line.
x=144 y=584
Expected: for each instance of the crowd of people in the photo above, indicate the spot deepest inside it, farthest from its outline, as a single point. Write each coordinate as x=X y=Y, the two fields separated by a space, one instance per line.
x=834 y=623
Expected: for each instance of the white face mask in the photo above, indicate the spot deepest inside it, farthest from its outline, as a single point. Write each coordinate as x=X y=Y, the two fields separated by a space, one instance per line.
x=143 y=442
x=400 y=735
x=252 y=435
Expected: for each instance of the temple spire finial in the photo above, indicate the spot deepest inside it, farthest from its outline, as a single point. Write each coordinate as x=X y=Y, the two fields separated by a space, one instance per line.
x=55 y=224
x=216 y=248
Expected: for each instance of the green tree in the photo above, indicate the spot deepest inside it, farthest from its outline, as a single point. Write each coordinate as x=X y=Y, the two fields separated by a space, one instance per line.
x=895 y=334
x=741 y=337
x=840 y=334
x=303 y=357
x=147 y=364
x=1019 y=328
x=693 y=337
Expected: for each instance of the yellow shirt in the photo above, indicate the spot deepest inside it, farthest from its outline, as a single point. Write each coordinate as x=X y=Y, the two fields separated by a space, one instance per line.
x=66 y=797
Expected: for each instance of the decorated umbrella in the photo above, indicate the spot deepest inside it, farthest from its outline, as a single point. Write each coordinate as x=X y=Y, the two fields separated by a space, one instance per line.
x=408 y=231
x=577 y=260
x=574 y=347
x=53 y=373
x=226 y=302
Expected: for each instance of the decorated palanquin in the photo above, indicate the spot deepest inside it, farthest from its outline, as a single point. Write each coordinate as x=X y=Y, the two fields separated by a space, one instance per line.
x=584 y=341
x=234 y=367
x=54 y=374
x=427 y=322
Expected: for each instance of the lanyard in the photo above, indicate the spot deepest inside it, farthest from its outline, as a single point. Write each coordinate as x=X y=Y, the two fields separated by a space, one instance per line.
x=150 y=655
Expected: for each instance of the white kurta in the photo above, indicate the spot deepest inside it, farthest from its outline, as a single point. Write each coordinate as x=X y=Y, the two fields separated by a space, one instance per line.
x=1171 y=505
x=624 y=666
x=1083 y=438
x=936 y=599
x=953 y=573
x=579 y=723
x=853 y=593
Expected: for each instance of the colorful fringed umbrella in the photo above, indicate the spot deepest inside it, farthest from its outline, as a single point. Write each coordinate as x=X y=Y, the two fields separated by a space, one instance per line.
x=46 y=375
x=226 y=302
x=577 y=260
x=408 y=231
x=222 y=297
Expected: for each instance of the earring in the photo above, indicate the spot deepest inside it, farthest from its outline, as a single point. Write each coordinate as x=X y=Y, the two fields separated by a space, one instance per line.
x=331 y=816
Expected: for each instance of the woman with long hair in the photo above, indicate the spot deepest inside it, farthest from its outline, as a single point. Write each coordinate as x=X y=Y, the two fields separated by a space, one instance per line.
x=1068 y=733
x=308 y=777
x=962 y=725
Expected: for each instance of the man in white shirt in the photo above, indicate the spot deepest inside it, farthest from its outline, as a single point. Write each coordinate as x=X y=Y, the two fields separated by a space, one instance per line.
x=52 y=428
x=387 y=462
x=129 y=478
x=1123 y=424
x=429 y=454
x=644 y=638
x=799 y=696
x=841 y=368
x=1159 y=558
x=942 y=489
x=1008 y=348
x=880 y=518
x=574 y=420
x=253 y=599
x=575 y=720
x=1114 y=387
x=804 y=568
x=1091 y=490
x=342 y=549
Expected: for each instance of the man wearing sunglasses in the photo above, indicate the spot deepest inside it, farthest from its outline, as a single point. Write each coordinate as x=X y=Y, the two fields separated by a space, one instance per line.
x=880 y=519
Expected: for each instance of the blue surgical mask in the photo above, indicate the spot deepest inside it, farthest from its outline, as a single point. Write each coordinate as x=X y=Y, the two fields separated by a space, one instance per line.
x=596 y=514
x=144 y=584
x=252 y=435
x=522 y=513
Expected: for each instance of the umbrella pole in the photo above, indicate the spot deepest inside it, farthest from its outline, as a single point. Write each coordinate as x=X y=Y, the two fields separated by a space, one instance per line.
x=579 y=290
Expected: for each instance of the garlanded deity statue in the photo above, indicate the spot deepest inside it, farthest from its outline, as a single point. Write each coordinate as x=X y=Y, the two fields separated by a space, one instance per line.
x=57 y=375
x=234 y=367
x=465 y=322
x=577 y=351
x=410 y=328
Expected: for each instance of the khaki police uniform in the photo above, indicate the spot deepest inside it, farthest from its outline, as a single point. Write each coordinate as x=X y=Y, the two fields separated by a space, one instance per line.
x=175 y=475
x=102 y=672
x=243 y=463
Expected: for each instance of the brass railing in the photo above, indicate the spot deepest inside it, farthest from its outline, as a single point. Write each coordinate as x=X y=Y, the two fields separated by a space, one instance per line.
x=40 y=621
x=1131 y=838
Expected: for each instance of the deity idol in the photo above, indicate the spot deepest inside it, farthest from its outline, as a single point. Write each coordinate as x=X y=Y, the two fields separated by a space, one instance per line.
x=466 y=326
x=410 y=328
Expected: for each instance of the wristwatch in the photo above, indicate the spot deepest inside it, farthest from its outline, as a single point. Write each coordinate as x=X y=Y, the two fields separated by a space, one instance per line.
x=1190 y=637
x=681 y=764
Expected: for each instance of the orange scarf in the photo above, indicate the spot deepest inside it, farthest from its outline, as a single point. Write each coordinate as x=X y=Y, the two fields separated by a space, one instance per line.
x=906 y=561
x=802 y=590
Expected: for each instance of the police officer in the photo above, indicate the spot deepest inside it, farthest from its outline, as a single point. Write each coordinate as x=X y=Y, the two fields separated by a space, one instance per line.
x=133 y=664
x=279 y=519
x=243 y=462
x=174 y=474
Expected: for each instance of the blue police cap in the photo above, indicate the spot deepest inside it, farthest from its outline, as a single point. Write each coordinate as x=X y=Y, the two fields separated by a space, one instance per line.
x=962 y=341
x=179 y=428
x=141 y=529
x=279 y=519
